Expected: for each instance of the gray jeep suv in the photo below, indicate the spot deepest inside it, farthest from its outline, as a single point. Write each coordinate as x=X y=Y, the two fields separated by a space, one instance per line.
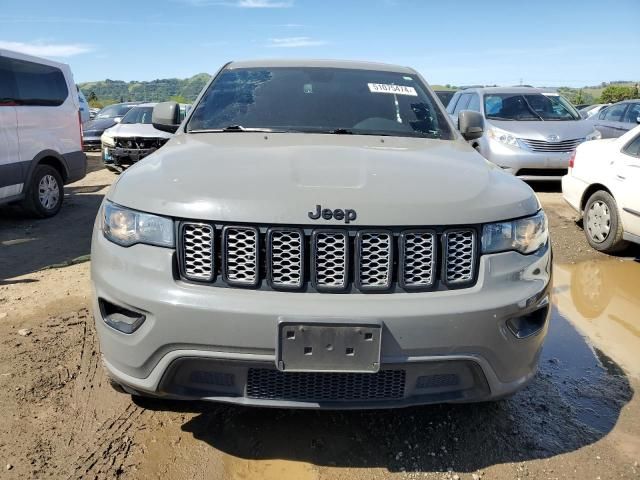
x=318 y=235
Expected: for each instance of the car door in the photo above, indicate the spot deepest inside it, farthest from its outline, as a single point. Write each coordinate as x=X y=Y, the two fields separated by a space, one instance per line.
x=631 y=117
x=609 y=120
x=628 y=173
x=11 y=169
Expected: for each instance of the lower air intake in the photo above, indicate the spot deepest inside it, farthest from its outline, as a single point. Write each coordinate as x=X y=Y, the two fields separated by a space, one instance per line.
x=270 y=384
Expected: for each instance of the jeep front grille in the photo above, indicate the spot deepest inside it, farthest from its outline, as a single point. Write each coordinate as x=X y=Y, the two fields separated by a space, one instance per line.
x=197 y=251
x=286 y=254
x=374 y=255
x=459 y=256
x=240 y=255
x=418 y=250
x=328 y=259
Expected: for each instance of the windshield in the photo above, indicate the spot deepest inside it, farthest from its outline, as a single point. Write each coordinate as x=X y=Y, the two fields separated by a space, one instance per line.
x=320 y=100
x=138 y=115
x=530 y=107
x=113 y=111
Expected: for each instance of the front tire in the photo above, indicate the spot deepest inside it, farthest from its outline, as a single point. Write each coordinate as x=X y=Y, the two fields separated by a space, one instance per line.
x=601 y=223
x=45 y=192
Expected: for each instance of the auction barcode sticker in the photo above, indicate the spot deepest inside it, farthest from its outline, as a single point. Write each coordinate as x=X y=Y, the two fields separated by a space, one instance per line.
x=396 y=89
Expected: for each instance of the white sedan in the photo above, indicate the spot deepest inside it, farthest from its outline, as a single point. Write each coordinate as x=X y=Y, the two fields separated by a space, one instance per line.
x=603 y=184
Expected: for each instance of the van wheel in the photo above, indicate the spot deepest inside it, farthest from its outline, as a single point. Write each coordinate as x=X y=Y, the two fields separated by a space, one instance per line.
x=45 y=192
x=601 y=223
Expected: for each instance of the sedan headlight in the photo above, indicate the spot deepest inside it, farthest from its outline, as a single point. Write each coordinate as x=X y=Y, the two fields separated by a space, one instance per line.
x=127 y=227
x=503 y=137
x=525 y=235
x=595 y=135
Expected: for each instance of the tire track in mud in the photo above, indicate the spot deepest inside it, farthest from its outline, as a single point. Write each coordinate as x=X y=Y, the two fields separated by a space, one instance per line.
x=68 y=421
x=101 y=434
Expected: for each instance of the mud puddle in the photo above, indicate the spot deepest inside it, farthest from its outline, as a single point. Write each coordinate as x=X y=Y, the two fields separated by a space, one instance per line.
x=599 y=300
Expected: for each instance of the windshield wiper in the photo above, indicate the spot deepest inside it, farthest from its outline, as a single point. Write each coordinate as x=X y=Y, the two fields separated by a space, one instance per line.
x=526 y=102
x=237 y=128
x=341 y=131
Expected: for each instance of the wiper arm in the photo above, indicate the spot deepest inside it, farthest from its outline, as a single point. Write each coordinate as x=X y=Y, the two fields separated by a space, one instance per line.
x=341 y=131
x=237 y=128
x=526 y=102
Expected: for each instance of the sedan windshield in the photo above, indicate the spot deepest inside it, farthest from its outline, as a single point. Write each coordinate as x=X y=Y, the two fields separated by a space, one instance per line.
x=319 y=100
x=138 y=115
x=529 y=107
x=113 y=111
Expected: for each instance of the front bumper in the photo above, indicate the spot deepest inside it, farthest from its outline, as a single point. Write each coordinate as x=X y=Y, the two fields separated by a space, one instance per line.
x=572 y=190
x=91 y=141
x=124 y=156
x=205 y=342
x=526 y=164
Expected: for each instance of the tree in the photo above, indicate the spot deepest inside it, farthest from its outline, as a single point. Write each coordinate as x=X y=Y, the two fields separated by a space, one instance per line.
x=617 y=93
x=179 y=99
x=92 y=97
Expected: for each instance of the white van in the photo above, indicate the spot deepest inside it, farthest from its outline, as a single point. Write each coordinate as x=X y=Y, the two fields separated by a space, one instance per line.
x=40 y=132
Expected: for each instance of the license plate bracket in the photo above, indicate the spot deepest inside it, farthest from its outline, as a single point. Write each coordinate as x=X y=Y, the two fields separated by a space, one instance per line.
x=328 y=347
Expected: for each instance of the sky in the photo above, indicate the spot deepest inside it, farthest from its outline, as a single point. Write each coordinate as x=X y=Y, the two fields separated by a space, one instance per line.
x=459 y=42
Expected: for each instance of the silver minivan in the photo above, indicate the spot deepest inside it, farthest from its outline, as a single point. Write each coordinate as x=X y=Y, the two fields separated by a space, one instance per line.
x=528 y=132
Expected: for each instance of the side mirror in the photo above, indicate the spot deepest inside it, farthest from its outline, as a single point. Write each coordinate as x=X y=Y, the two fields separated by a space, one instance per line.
x=638 y=119
x=117 y=119
x=470 y=124
x=166 y=117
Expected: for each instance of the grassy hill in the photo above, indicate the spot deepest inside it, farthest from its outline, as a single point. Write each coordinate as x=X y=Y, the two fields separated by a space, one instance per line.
x=112 y=91
x=186 y=90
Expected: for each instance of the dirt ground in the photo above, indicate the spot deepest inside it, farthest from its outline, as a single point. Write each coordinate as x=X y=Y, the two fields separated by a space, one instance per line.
x=580 y=418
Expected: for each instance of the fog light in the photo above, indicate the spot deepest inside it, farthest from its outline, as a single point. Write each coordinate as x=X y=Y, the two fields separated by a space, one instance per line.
x=120 y=318
x=529 y=324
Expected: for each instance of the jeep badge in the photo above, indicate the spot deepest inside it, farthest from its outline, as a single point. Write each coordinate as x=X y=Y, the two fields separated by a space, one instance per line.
x=347 y=215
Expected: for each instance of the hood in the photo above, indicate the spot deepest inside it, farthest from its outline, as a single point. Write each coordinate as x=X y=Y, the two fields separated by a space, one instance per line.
x=99 y=124
x=280 y=178
x=565 y=130
x=124 y=130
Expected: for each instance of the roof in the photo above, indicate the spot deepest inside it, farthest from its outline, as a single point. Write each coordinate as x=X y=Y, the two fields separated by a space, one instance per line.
x=146 y=104
x=508 y=90
x=30 y=58
x=348 y=64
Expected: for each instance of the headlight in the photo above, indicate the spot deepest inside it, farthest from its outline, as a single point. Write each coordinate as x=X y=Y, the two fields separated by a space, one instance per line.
x=107 y=140
x=595 y=135
x=503 y=137
x=525 y=235
x=128 y=227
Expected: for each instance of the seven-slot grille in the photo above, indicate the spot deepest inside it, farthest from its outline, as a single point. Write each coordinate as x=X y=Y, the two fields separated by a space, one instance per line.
x=545 y=146
x=326 y=259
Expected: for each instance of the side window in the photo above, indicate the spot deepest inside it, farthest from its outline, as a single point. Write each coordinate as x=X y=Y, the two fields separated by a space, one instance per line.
x=7 y=94
x=462 y=103
x=602 y=113
x=614 y=112
x=474 y=103
x=452 y=102
x=633 y=113
x=38 y=84
x=633 y=147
